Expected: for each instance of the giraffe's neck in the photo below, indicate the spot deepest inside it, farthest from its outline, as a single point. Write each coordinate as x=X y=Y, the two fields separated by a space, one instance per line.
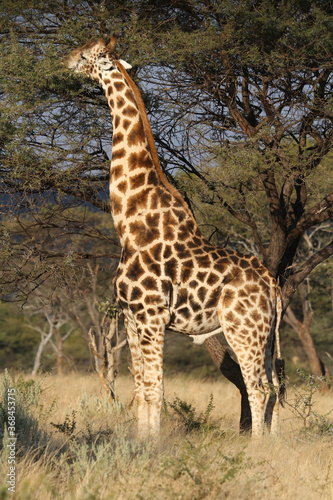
x=138 y=188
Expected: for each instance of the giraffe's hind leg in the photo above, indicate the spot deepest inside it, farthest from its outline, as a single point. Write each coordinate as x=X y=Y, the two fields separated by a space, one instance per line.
x=247 y=330
x=272 y=409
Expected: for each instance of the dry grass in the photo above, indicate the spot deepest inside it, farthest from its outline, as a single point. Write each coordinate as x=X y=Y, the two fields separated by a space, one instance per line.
x=95 y=454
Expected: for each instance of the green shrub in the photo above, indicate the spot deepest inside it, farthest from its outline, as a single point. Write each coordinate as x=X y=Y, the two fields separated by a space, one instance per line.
x=186 y=414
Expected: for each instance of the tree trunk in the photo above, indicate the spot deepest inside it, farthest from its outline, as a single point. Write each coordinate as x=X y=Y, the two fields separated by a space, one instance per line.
x=38 y=357
x=60 y=351
x=45 y=338
x=106 y=346
x=231 y=370
x=303 y=330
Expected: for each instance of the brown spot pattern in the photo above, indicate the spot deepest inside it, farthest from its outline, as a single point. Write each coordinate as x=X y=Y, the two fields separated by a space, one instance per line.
x=117 y=155
x=137 y=180
x=130 y=112
x=119 y=86
x=120 y=102
x=116 y=204
x=137 y=202
x=117 y=138
x=136 y=135
x=139 y=160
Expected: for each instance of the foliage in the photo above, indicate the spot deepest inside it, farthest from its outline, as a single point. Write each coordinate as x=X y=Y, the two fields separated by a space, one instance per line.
x=68 y=426
x=301 y=404
x=250 y=128
x=108 y=308
x=239 y=96
x=17 y=342
x=186 y=413
x=194 y=459
x=27 y=396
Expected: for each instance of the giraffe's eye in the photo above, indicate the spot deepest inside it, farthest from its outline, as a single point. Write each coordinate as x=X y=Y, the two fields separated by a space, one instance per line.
x=105 y=64
x=83 y=57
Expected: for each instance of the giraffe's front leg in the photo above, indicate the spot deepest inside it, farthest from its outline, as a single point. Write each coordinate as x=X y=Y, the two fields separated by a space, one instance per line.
x=152 y=329
x=151 y=338
x=146 y=341
x=152 y=344
x=138 y=374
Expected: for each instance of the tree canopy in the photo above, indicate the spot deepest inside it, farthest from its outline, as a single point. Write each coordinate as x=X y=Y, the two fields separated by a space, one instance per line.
x=239 y=95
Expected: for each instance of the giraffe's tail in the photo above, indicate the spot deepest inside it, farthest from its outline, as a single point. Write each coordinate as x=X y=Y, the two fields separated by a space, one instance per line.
x=279 y=362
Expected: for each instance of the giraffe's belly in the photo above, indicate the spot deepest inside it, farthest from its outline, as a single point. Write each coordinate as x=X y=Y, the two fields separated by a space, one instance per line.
x=189 y=295
x=194 y=327
x=195 y=314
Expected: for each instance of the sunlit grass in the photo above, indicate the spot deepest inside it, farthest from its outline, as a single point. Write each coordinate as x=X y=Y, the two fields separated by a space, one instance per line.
x=85 y=448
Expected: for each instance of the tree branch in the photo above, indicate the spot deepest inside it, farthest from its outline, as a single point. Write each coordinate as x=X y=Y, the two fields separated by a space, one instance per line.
x=247 y=221
x=80 y=255
x=272 y=195
x=321 y=212
x=297 y=277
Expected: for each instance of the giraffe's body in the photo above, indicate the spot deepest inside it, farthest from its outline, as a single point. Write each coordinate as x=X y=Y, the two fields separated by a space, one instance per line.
x=169 y=275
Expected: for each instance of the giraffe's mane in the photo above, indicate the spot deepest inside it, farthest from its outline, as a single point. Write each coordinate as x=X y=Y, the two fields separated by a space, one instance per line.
x=151 y=142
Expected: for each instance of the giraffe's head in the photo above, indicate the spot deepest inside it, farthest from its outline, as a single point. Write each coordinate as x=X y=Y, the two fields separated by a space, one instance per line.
x=95 y=58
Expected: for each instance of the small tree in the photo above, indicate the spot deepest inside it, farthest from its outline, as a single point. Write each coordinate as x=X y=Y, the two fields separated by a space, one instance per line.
x=302 y=327
x=50 y=331
x=100 y=328
x=106 y=345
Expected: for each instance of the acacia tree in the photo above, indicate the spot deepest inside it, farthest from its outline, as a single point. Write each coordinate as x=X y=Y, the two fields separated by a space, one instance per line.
x=248 y=87
x=54 y=161
x=239 y=96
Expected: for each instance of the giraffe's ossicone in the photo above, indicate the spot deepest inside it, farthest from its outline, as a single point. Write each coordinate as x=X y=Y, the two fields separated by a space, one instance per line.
x=169 y=275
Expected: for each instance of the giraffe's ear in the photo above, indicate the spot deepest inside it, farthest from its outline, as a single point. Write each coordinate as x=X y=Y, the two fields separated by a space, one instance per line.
x=125 y=64
x=112 y=42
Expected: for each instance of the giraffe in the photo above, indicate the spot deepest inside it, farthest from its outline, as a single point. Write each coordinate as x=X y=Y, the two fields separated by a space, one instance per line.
x=169 y=275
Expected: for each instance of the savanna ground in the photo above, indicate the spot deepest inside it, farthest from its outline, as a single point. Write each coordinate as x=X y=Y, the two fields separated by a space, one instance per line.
x=72 y=444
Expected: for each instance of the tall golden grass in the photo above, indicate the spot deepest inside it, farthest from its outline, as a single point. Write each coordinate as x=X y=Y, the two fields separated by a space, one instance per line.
x=85 y=448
